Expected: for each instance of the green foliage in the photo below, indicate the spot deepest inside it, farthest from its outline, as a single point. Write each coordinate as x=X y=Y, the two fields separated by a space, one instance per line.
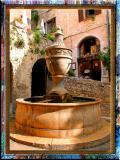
x=40 y=39
x=54 y=29
x=37 y=51
x=50 y=37
x=36 y=36
x=42 y=52
x=35 y=16
x=104 y=56
x=31 y=50
x=19 y=43
x=71 y=73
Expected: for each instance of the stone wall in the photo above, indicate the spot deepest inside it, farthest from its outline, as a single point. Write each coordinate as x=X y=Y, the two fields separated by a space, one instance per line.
x=90 y=88
x=22 y=77
x=22 y=61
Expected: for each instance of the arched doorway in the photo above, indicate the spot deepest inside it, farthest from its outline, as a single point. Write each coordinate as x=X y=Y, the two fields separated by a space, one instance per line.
x=39 y=78
x=88 y=61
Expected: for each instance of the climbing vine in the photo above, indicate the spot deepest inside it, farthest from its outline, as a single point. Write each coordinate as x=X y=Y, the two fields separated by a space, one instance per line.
x=37 y=41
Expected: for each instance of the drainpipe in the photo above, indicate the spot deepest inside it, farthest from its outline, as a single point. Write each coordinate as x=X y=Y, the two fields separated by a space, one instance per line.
x=104 y=72
x=108 y=27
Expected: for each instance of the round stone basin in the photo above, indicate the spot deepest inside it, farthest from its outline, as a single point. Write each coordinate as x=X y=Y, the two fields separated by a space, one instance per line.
x=46 y=118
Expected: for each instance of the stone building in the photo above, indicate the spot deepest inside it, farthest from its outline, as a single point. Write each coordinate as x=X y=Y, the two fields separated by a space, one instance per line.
x=28 y=72
x=85 y=33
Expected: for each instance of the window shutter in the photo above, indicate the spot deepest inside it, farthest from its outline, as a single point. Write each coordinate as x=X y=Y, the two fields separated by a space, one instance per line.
x=80 y=15
x=97 y=12
x=86 y=13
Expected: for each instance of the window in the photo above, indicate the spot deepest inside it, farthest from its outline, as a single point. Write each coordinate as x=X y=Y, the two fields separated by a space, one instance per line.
x=50 y=25
x=90 y=12
x=83 y=14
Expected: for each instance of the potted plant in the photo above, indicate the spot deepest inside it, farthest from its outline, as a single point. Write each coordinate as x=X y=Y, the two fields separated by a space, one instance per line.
x=104 y=56
x=37 y=36
x=71 y=73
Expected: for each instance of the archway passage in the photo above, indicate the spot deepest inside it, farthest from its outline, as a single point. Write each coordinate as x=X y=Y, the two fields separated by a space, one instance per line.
x=39 y=78
x=88 y=62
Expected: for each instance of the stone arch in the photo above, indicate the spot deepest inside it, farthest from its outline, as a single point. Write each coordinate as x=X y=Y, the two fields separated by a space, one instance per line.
x=89 y=65
x=89 y=41
x=22 y=75
x=39 y=78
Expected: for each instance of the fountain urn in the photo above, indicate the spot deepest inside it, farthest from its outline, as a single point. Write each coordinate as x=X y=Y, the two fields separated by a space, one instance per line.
x=58 y=61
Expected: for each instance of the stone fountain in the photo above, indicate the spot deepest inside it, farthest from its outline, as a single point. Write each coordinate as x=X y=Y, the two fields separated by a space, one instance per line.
x=58 y=120
x=58 y=60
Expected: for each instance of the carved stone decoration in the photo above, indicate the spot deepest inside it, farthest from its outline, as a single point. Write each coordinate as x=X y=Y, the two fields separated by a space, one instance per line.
x=58 y=60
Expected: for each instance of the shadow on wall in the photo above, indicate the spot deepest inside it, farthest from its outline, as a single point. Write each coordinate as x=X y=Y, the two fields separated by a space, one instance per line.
x=39 y=78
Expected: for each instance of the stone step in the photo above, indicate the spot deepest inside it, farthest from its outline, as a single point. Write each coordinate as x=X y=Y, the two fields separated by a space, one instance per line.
x=96 y=139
